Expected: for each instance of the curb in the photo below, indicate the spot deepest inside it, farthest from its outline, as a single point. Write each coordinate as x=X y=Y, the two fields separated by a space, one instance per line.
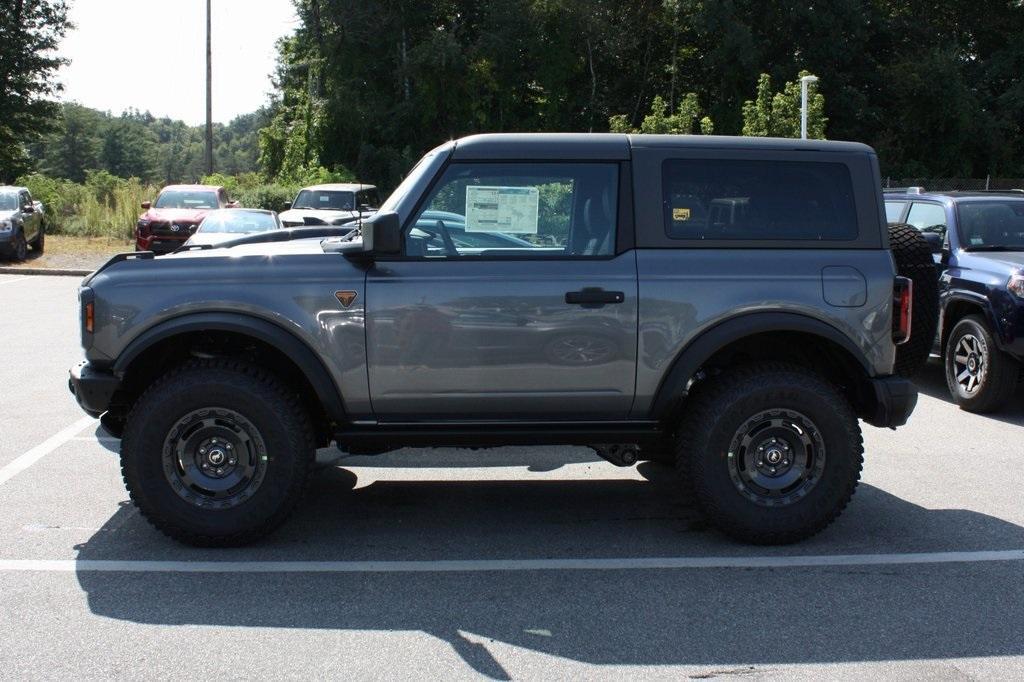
x=44 y=271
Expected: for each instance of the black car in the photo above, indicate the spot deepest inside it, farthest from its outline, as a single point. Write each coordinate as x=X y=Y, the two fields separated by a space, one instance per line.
x=978 y=244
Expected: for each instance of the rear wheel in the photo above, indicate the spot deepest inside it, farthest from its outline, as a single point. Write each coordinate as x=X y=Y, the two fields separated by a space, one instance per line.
x=772 y=452
x=981 y=378
x=39 y=243
x=217 y=453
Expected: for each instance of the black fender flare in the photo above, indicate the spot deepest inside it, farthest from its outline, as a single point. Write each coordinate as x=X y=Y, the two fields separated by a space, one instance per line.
x=974 y=299
x=700 y=350
x=272 y=334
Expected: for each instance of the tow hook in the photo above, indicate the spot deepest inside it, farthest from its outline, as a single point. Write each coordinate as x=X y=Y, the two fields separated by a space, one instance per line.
x=618 y=454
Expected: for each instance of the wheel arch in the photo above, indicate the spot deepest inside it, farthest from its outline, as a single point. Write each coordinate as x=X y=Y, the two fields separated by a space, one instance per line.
x=767 y=336
x=958 y=306
x=285 y=346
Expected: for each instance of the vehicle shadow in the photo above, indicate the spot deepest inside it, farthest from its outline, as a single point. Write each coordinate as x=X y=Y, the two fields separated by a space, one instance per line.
x=736 y=617
x=931 y=381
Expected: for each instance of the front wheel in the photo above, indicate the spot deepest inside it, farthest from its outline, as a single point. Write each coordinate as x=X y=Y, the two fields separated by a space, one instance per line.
x=217 y=453
x=772 y=452
x=981 y=378
x=19 y=247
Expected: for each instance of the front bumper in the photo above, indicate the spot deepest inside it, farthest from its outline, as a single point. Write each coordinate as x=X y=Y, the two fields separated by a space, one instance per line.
x=93 y=388
x=895 y=400
x=159 y=245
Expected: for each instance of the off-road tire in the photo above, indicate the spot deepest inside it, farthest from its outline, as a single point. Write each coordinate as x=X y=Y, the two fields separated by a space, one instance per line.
x=999 y=373
x=914 y=260
x=39 y=243
x=266 y=403
x=721 y=406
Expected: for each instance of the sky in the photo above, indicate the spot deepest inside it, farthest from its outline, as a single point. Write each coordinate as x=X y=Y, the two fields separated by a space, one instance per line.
x=151 y=55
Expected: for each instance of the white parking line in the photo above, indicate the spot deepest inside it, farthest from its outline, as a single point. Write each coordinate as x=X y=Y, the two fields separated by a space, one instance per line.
x=15 y=279
x=43 y=449
x=472 y=565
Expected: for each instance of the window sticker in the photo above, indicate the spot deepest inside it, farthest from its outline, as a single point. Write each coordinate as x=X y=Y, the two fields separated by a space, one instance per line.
x=680 y=214
x=502 y=209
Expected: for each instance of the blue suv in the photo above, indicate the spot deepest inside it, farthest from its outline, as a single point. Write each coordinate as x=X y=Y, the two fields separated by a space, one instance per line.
x=977 y=239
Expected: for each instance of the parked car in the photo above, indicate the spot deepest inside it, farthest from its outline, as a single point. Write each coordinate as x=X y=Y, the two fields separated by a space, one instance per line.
x=175 y=215
x=332 y=204
x=978 y=243
x=743 y=350
x=430 y=222
x=227 y=224
x=21 y=223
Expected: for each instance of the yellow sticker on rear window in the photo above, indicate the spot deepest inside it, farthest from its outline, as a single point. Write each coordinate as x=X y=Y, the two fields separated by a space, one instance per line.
x=680 y=214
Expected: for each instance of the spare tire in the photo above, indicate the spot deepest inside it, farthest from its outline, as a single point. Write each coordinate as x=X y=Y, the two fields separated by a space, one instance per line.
x=914 y=260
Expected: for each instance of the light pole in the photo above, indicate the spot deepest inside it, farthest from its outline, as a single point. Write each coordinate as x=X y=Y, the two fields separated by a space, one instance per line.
x=805 y=82
x=209 y=92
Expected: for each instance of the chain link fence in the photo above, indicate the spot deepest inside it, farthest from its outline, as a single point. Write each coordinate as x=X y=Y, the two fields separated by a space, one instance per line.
x=954 y=184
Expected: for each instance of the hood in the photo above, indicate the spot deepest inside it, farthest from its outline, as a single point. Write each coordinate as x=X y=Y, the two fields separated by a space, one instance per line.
x=294 y=247
x=1002 y=262
x=8 y=215
x=181 y=215
x=316 y=216
x=212 y=238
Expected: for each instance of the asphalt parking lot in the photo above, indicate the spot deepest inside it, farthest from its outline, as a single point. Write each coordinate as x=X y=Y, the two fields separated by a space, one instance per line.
x=507 y=564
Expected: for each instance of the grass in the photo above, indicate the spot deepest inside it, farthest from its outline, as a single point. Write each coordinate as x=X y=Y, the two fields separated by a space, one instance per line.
x=74 y=253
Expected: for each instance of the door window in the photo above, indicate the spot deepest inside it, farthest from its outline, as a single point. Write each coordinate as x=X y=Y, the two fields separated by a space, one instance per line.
x=928 y=217
x=893 y=210
x=496 y=210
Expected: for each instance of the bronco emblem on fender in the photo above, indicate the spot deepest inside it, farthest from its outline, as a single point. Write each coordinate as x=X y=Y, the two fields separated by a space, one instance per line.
x=345 y=297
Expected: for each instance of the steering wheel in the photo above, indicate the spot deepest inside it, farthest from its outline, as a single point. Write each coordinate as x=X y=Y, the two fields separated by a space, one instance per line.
x=446 y=238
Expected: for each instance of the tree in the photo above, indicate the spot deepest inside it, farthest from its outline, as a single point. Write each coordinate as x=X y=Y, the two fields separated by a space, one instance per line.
x=778 y=114
x=686 y=120
x=30 y=31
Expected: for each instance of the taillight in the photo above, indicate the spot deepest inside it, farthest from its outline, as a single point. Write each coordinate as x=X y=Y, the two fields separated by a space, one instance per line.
x=90 y=317
x=903 y=309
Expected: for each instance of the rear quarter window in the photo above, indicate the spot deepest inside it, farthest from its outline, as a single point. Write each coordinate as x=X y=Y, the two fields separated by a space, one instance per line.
x=752 y=200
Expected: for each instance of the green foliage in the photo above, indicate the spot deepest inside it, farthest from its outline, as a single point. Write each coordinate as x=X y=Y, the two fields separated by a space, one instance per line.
x=135 y=144
x=104 y=206
x=778 y=114
x=371 y=85
x=30 y=31
x=686 y=120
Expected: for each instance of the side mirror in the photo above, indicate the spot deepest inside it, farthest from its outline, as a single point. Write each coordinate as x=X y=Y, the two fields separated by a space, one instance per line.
x=147 y=205
x=287 y=206
x=233 y=204
x=30 y=209
x=382 y=235
x=934 y=240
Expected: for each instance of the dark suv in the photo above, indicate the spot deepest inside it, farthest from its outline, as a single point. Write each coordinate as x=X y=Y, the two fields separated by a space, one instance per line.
x=978 y=242
x=729 y=305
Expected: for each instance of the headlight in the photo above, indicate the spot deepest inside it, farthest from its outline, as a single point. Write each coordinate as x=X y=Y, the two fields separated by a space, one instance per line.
x=6 y=226
x=1016 y=286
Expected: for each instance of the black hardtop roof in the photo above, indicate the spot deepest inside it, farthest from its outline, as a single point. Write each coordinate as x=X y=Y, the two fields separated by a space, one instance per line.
x=616 y=146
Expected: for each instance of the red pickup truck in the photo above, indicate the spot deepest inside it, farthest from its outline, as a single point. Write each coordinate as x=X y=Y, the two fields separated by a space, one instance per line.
x=169 y=221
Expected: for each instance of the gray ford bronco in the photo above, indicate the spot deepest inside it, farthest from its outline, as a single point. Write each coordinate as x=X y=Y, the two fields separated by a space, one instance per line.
x=730 y=305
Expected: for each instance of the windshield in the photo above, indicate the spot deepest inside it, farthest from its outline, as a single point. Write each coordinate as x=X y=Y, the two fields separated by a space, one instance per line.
x=992 y=225
x=422 y=167
x=235 y=221
x=186 y=199
x=8 y=201
x=324 y=200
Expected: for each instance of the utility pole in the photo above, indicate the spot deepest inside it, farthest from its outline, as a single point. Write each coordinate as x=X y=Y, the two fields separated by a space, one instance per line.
x=209 y=92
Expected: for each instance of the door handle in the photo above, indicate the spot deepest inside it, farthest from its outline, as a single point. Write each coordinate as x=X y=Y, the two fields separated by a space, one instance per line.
x=594 y=297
